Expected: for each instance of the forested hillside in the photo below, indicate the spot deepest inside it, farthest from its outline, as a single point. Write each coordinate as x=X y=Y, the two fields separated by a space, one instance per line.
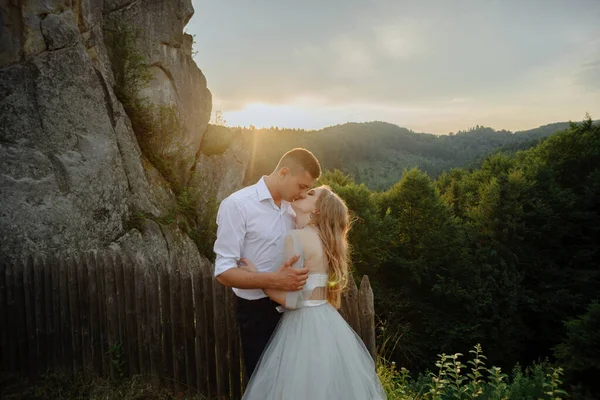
x=376 y=153
x=506 y=255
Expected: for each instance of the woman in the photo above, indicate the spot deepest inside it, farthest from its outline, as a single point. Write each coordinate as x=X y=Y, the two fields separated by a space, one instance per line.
x=314 y=354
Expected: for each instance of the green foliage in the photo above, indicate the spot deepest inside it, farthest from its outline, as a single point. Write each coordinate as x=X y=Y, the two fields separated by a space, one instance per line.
x=579 y=353
x=500 y=255
x=529 y=384
x=452 y=380
x=129 y=67
x=136 y=220
x=335 y=178
x=116 y=360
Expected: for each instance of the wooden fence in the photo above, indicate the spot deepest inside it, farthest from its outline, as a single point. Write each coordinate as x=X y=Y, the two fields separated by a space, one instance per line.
x=103 y=314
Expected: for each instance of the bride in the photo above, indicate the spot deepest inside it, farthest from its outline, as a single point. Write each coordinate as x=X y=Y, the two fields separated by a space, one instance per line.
x=314 y=354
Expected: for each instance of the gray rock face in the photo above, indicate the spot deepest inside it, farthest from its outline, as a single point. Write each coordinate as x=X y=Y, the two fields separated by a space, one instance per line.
x=62 y=175
x=177 y=81
x=72 y=175
x=59 y=30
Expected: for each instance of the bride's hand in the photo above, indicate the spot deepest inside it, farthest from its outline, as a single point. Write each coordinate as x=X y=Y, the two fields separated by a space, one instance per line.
x=247 y=265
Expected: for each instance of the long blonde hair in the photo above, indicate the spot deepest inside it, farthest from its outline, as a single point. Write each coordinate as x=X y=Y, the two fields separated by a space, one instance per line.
x=333 y=223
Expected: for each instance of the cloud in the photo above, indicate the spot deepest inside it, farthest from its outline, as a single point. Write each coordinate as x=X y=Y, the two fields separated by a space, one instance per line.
x=507 y=56
x=589 y=76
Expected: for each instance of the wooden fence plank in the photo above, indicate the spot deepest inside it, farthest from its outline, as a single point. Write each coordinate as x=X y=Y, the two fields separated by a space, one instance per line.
x=142 y=318
x=5 y=320
x=120 y=305
x=112 y=311
x=367 y=315
x=245 y=377
x=153 y=309
x=350 y=306
x=102 y=313
x=228 y=339
x=187 y=298
x=48 y=311
x=74 y=304
x=65 y=317
x=177 y=325
x=201 y=326
x=59 y=360
x=166 y=326
x=40 y=315
x=234 y=348
x=84 y=316
x=20 y=324
x=94 y=310
x=208 y=284
x=221 y=336
x=133 y=352
x=29 y=311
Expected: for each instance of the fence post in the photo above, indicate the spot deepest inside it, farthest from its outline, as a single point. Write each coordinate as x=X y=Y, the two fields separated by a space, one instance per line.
x=40 y=320
x=49 y=315
x=234 y=347
x=166 y=322
x=74 y=304
x=29 y=311
x=177 y=325
x=367 y=315
x=200 y=329
x=220 y=326
x=94 y=310
x=187 y=310
x=153 y=318
x=84 y=319
x=120 y=305
x=4 y=343
x=350 y=306
x=133 y=351
x=65 y=316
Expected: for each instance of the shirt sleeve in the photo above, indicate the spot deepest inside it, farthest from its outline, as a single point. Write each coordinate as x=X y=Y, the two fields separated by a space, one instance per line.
x=231 y=230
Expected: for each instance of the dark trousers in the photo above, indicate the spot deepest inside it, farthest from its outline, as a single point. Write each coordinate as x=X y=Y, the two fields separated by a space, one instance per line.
x=257 y=320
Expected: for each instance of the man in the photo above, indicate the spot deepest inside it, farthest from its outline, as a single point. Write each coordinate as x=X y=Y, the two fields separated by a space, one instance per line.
x=252 y=223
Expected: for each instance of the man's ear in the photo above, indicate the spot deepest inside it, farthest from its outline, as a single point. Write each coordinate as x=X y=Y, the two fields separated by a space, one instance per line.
x=285 y=171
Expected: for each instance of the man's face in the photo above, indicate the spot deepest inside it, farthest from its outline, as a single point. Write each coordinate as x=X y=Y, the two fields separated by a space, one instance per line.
x=294 y=187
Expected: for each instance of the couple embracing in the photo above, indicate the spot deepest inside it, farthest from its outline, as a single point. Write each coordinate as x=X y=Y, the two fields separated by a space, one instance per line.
x=281 y=245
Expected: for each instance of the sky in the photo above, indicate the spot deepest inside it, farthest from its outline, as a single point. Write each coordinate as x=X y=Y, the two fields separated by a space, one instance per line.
x=431 y=66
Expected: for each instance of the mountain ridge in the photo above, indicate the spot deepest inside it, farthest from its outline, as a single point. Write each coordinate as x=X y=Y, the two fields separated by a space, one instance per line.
x=376 y=153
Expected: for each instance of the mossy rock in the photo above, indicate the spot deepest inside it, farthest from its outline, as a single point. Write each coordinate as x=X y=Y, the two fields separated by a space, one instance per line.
x=216 y=140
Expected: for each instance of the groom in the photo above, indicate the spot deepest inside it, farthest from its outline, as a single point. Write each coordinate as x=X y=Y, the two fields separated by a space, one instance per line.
x=252 y=223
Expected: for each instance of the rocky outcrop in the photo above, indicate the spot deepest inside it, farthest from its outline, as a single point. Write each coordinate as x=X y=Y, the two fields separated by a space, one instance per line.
x=220 y=165
x=72 y=172
x=176 y=80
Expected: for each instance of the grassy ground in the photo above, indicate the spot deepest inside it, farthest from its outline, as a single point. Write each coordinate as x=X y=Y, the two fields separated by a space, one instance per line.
x=56 y=387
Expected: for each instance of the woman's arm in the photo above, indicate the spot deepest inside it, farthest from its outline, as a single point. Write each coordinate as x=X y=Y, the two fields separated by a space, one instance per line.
x=280 y=296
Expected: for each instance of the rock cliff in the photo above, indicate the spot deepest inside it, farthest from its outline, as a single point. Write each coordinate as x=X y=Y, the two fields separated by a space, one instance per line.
x=103 y=113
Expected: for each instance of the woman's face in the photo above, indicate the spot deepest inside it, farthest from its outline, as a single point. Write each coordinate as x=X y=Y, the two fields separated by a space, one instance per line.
x=309 y=203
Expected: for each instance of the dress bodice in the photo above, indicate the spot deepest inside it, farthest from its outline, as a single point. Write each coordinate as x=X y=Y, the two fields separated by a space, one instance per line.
x=314 y=292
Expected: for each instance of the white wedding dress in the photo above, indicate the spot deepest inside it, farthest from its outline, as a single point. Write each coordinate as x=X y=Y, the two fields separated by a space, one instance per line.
x=313 y=354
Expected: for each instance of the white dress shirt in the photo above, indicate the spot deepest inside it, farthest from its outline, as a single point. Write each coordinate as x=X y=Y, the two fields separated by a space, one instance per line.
x=251 y=225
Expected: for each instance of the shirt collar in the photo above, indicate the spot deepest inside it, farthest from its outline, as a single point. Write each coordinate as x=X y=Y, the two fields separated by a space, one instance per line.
x=262 y=190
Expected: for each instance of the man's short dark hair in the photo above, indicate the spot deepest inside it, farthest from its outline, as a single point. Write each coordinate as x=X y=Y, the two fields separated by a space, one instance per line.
x=298 y=160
